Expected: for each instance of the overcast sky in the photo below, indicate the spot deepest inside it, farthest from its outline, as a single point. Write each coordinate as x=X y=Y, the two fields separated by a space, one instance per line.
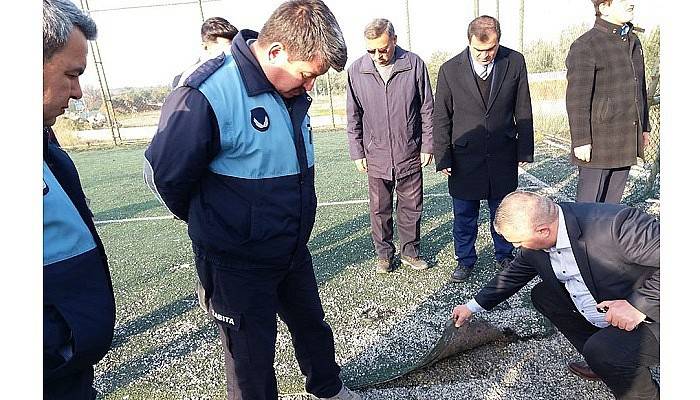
x=148 y=46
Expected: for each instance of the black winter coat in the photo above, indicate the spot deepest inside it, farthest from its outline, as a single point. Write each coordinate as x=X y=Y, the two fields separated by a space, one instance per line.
x=483 y=144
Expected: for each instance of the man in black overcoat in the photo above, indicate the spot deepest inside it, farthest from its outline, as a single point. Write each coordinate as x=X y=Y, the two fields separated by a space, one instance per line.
x=482 y=129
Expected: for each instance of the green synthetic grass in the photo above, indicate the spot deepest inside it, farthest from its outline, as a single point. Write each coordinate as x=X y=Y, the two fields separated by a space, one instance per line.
x=166 y=348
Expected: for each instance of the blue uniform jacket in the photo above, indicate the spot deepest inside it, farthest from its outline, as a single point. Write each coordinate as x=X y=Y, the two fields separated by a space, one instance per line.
x=234 y=160
x=79 y=310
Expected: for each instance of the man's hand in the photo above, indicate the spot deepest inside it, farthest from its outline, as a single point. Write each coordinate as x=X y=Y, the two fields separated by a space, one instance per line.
x=583 y=153
x=460 y=315
x=446 y=171
x=425 y=159
x=645 y=139
x=622 y=314
x=361 y=164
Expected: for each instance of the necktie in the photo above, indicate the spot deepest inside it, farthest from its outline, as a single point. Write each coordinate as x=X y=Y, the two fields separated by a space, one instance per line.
x=624 y=29
x=484 y=72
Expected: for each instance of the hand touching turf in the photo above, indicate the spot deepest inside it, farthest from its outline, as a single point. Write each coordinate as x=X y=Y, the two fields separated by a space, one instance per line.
x=460 y=315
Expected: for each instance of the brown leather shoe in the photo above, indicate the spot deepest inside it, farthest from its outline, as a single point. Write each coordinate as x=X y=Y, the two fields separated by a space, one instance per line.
x=383 y=266
x=581 y=369
x=416 y=263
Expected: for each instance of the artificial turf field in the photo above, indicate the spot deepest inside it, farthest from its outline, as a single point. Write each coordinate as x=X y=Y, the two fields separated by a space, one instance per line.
x=165 y=347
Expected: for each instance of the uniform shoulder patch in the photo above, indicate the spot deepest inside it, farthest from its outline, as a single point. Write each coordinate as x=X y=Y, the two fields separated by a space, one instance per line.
x=259 y=119
x=204 y=71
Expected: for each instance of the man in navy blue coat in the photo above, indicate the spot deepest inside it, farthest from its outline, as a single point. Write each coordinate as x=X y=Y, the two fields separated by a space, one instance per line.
x=79 y=311
x=233 y=157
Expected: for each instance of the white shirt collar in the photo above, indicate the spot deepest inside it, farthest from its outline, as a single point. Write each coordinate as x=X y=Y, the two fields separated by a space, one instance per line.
x=479 y=67
x=563 y=241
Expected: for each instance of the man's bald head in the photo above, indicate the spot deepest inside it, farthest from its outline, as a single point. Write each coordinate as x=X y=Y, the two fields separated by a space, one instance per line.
x=522 y=215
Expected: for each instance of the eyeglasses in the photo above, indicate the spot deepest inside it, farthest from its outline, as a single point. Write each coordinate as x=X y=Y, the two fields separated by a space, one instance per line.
x=381 y=51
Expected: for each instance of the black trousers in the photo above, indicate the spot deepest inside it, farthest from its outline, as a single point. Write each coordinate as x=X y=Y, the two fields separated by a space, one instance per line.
x=621 y=358
x=409 y=208
x=245 y=300
x=77 y=386
x=597 y=185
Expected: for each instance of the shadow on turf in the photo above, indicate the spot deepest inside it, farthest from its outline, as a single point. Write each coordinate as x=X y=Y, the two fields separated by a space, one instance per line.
x=127 y=211
x=152 y=319
x=165 y=355
x=337 y=252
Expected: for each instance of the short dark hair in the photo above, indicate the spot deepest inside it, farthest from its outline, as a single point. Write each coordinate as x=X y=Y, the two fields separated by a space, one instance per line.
x=308 y=30
x=482 y=26
x=216 y=27
x=60 y=17
x=597 y=3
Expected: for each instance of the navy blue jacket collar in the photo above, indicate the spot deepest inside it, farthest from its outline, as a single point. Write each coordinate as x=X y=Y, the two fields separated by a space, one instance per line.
x=254 y=78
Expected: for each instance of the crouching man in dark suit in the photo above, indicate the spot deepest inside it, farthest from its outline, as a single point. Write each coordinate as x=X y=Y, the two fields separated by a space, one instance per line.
x=599 y=265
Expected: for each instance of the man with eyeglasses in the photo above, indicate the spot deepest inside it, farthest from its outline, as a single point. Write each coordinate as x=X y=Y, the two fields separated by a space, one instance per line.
x=390 y=128
x=483 y=129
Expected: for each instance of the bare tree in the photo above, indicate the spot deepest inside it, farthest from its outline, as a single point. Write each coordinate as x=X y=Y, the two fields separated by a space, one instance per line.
x=92 y=97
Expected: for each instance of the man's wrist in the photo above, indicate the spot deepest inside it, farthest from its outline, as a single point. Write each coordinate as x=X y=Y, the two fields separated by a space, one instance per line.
x=474 y=307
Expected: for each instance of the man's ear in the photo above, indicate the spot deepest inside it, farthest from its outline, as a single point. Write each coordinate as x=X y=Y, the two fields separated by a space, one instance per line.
x=604 y=9
x=543 y=230
x=276 y=53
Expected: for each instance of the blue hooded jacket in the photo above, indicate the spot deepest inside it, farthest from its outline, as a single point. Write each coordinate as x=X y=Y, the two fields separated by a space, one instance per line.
x=79 y=310
x=235 y=160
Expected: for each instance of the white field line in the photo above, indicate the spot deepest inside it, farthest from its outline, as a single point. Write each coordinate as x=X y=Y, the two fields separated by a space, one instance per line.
x=538 y=185
x=113 y=221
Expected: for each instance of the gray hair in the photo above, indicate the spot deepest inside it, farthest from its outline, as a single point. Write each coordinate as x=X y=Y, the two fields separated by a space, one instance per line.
x=377 y=27
x=60 y=17
x=524 y=210
x=308 y=30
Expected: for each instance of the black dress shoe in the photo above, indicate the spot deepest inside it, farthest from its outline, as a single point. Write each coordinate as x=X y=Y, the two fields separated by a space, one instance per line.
x=461 y=273
x=581 y=369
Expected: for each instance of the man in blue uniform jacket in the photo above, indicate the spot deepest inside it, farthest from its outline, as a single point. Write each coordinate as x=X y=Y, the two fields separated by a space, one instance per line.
x=233 y=157
x=79 y=310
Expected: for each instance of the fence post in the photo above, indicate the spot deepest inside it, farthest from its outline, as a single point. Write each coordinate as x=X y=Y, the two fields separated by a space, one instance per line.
x=654 y=101
x=104 y=86
x=408 y=26
x=522 y=26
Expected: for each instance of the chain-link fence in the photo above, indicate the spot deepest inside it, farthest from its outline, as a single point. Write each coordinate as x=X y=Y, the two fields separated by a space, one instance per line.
x=119 y=112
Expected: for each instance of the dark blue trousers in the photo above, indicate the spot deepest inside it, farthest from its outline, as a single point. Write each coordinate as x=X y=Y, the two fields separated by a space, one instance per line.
x=245 y=299
x=465 y=230
x=77 y=386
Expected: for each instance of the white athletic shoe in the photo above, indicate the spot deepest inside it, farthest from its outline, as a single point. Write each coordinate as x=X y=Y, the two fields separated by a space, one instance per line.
x=344 y=394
